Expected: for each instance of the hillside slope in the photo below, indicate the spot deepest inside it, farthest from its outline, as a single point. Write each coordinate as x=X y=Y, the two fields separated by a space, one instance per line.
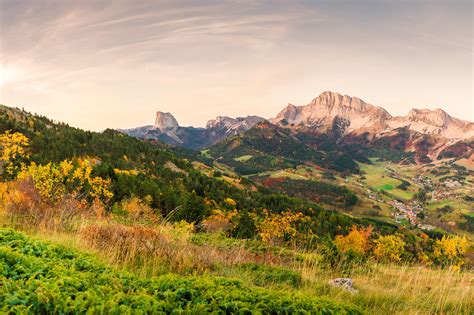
x=39 y=277
x=175 y=188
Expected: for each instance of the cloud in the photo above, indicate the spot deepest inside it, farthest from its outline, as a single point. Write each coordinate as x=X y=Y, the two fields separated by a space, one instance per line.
x=228 y=57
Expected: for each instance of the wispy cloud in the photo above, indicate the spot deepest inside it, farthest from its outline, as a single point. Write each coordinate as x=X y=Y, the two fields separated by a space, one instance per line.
x=228 y=57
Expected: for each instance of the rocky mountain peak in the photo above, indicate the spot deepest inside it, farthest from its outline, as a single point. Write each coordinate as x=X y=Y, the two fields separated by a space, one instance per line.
x=321 y=112
x=165 y=122
x=237 y=124
x=220 y=120
x=434 y=122
x=437 y=117
x=345 y=103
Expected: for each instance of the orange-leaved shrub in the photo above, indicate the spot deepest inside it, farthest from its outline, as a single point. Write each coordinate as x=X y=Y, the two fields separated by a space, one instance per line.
x=139 y=210
x=357 y=240
x=22 y=206
x=219 y=221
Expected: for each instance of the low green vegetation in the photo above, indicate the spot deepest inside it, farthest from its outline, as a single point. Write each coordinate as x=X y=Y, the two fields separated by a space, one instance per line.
x=38 y=277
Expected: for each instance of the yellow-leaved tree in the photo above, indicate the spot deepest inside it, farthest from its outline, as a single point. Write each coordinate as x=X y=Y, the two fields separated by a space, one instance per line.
x=48 y=180
x=15 y=151
x=53 y=181
x=389 y=247
x=278 y=228
x=450 y=251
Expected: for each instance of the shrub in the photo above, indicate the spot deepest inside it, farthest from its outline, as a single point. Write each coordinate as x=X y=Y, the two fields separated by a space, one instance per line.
x=14 y=151
x=138 y=209
x=278 y=228
x=450 y=251
x=53 y=181
x=404 y=185
x=245 y=226
x=219 y=221
x=389 y=247
x=22 y=206
x=264 y=275
x=356 y=241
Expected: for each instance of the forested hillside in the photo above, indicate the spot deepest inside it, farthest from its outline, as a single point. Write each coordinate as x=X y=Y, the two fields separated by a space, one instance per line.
x=142 y=169
x=268 y=147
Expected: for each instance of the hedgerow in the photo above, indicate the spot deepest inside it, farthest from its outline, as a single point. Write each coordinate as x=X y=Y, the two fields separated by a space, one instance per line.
x=40 y=278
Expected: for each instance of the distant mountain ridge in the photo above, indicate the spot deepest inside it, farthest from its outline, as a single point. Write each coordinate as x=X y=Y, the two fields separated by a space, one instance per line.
x=168 y=130
x=359 y=116
x=344 y=121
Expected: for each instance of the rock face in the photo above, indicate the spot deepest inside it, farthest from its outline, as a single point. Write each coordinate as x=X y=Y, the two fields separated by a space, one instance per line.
x=329 y=108
x=165 y=122
x=427 y=134
x=356 y=116
x=434 y=122
x=235 y=125
x=167 y=129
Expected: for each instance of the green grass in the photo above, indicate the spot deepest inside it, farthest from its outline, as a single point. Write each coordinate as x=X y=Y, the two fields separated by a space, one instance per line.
x=458 y=206
x=285 y=174
x=243 y=158
x=402 y=194
x=384 y=187
x=206 y=154
x=378 y=178
x=41 y=278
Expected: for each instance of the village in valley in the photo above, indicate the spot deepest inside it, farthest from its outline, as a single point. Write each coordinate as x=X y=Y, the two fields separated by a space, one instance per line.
x=427 y=197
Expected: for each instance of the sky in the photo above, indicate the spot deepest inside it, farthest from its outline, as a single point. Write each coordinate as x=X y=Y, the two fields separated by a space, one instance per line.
x=113 y=64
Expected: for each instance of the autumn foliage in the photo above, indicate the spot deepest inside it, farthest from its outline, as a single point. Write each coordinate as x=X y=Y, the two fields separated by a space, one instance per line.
x=450 y=250
x=50 y=196
x=356 y=241
x=278 y=228
x=14 y=151
x=389 y=248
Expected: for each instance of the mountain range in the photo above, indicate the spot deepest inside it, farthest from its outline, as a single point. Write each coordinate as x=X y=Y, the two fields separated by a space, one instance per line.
x=343 y=123
x=167 y=129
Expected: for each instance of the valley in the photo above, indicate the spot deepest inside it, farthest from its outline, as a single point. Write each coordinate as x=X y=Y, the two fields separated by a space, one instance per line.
x=265 y=220
x=386 y=191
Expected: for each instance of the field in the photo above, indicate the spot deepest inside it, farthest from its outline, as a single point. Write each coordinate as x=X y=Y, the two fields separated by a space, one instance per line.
x=377 y=177
x=283 y=174
x=243 y=158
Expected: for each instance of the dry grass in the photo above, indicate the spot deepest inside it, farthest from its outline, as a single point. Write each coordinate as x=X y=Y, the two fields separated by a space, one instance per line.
x=162 y=247
x=22 y=207
x=155 y=250
x=405 y=289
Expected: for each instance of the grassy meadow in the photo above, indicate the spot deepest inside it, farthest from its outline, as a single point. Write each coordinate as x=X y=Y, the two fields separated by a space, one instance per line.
x=200 y=262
